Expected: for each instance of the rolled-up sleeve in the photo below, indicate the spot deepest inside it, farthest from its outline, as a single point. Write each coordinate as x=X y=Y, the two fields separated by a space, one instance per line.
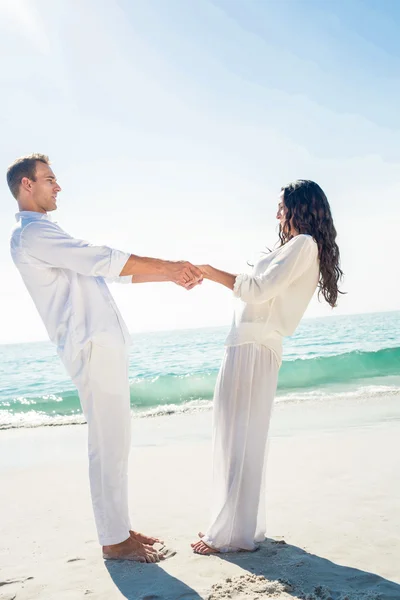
x=119 y=279
x=290 y=263
x=47 y=242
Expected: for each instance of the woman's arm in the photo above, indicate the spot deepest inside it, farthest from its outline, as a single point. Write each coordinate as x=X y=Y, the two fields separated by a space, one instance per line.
x=222 y=277
x=289 y=264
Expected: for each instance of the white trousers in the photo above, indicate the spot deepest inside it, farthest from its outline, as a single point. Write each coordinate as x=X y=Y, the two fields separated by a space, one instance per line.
x=101 y=376
x=243 y=400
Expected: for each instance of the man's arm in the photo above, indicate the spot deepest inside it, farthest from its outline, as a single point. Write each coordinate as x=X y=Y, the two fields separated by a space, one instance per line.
x=144 y=269
x=149 y=278
x=137 y=279
x=47 y=242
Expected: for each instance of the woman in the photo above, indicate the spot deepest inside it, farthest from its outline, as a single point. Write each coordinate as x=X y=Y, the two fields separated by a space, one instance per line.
x=274 y=299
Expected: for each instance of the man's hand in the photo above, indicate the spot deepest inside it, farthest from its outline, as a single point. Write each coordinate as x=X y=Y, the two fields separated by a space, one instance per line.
x=143 y=269
x=185 y=274
x=203 y=270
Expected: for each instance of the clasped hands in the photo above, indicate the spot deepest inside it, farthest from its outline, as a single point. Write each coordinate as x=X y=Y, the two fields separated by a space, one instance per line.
x=186 y=275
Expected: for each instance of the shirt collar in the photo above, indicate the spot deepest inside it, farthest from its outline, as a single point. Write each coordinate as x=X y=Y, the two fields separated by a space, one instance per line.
x=32 y=215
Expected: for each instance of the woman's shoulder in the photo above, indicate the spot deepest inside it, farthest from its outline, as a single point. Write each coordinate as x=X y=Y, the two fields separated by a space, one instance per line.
x=303 y=240
x=302 y=245
x=296 y=244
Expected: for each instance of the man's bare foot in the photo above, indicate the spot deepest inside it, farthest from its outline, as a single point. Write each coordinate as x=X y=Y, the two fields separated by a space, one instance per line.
x=144 y=539
x=133 y=550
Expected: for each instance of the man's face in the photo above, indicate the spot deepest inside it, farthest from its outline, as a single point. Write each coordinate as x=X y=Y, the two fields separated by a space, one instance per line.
x=45 y=189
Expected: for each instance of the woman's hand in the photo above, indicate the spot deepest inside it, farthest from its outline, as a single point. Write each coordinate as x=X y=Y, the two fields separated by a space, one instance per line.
x=206 y=271
x=213 y=274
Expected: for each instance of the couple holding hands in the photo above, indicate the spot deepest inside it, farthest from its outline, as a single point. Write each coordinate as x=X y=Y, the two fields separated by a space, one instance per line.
x=66 y=279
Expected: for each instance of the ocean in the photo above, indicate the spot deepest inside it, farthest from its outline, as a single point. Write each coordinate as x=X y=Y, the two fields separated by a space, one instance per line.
x=339 y=357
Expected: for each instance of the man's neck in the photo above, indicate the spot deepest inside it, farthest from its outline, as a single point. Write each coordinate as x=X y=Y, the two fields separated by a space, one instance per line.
x=27 y=205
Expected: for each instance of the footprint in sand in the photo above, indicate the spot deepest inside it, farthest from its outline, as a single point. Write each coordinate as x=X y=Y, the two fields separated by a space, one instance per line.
x=11 y=595
x=10 y=581
x=74 y=559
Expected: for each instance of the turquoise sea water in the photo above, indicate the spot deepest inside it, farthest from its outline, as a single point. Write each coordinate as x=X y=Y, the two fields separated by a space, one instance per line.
x=338 y=357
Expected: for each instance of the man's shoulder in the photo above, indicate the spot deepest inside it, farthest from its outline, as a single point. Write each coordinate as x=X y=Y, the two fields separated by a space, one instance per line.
x=27 y=234
x=15 y=236
x=40 y=227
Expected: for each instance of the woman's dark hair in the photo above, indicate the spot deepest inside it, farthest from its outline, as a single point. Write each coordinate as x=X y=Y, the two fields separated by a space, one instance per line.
x=307 y=211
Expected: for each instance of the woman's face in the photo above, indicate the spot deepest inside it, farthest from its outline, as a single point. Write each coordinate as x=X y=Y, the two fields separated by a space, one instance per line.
x=282 y=211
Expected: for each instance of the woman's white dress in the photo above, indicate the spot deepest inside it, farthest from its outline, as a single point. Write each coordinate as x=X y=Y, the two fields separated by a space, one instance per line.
x=274 y=298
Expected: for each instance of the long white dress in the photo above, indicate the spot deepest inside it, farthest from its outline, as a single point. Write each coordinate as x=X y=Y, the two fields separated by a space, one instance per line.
x=274 y=299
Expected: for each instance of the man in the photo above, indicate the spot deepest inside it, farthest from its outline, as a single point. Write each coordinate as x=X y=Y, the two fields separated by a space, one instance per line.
x=66 y=280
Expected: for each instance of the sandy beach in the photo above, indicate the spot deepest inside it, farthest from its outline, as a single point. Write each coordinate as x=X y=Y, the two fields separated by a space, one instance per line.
x=333 y=511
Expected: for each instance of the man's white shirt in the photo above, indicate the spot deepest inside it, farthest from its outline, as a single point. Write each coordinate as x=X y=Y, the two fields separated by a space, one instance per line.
x=66 y=278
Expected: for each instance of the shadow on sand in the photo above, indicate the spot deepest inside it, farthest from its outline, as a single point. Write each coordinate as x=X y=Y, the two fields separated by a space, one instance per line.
x=136 y=581
x=307 y=576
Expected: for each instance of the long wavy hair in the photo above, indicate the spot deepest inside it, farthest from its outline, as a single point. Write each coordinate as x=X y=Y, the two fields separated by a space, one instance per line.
x=307 y=211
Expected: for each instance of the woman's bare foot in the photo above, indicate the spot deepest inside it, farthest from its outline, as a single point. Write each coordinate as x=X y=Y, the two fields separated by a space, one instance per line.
x=144 y=539
x=132 y=549
x=201 y=535
x=201 y=547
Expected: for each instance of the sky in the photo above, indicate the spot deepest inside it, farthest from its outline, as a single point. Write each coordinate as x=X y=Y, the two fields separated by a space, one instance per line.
x=172 y=125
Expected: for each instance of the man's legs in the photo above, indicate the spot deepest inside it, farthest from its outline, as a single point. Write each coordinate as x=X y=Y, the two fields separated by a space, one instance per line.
x=106 y=404
x=101 y=376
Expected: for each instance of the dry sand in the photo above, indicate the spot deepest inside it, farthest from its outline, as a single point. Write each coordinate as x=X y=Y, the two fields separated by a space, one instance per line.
x=333 y=513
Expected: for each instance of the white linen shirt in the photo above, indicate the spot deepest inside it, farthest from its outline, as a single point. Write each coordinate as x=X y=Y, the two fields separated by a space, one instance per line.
x=275 y=296
x=66 y=280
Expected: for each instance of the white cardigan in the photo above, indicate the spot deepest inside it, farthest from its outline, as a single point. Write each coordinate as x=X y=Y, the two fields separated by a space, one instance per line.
x=275 y=296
